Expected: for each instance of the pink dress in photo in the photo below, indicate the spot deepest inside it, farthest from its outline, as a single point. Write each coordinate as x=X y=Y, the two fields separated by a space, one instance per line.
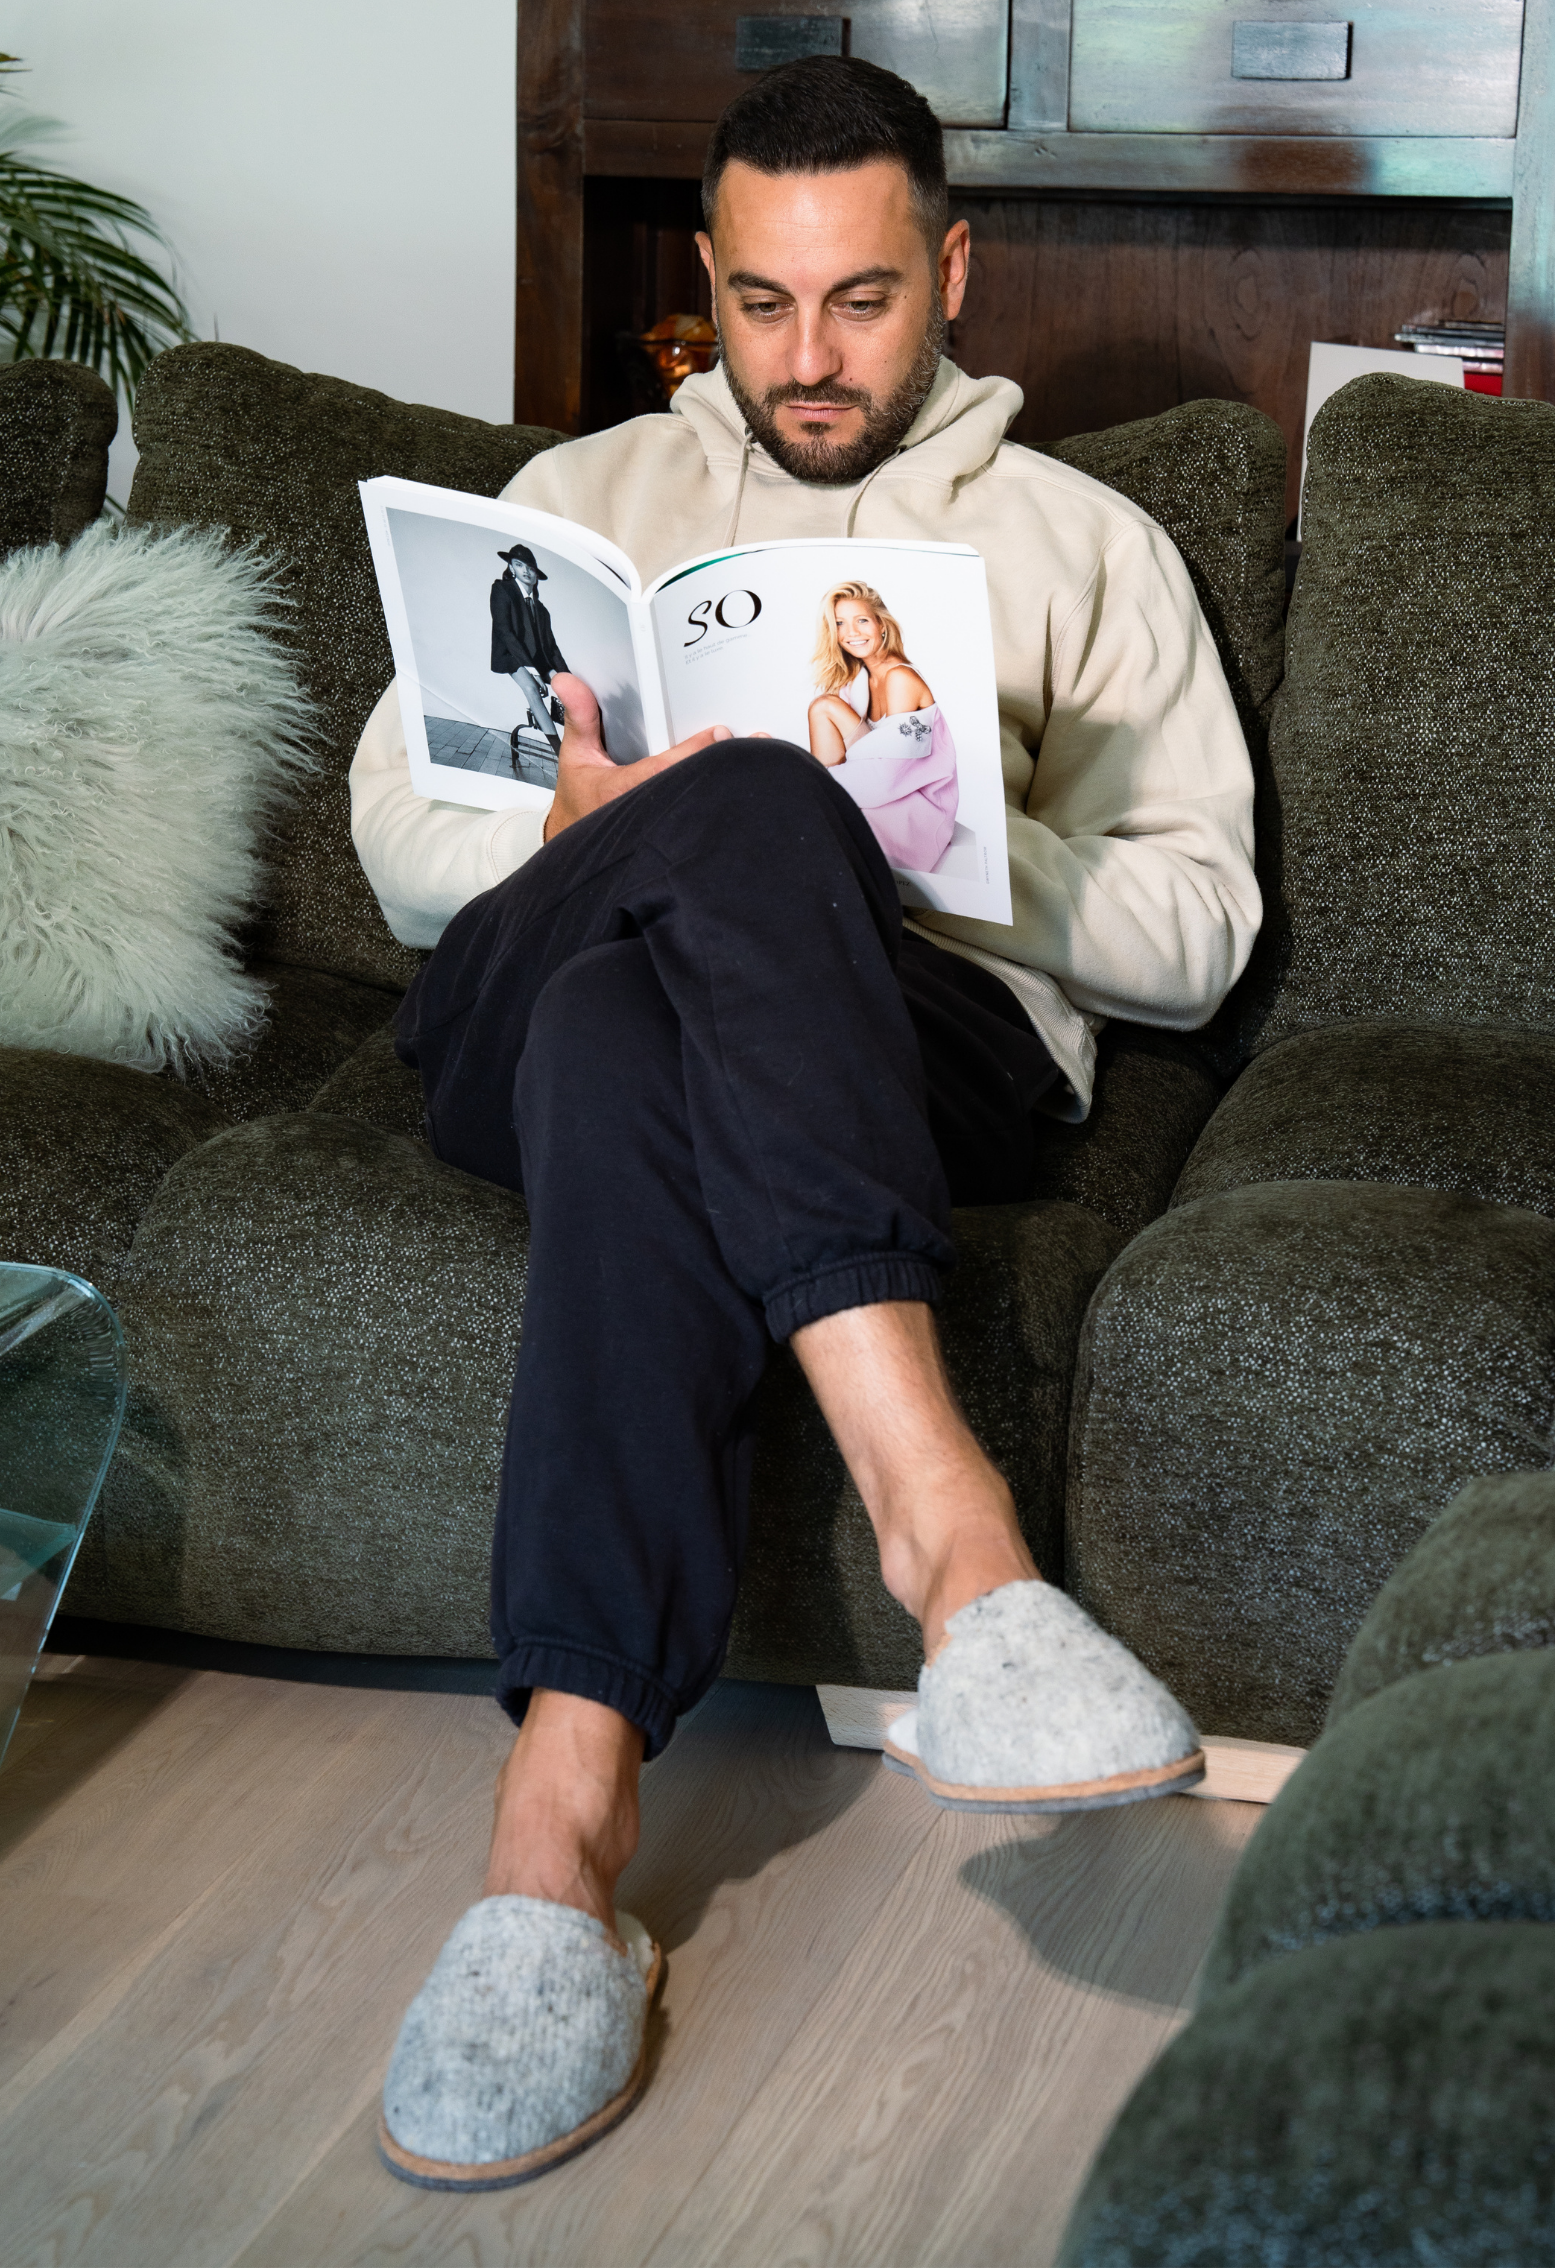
x=902 y=775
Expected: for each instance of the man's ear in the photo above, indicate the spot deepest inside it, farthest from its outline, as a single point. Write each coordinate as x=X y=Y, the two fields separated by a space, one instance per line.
x=955 y=258
x=705 y=247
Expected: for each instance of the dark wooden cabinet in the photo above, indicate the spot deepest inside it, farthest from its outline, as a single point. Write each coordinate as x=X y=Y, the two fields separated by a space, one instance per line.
x=1154 y=217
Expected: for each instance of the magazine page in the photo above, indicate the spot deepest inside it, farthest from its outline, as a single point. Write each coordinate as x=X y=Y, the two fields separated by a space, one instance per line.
x=485 y=603
x=878 y=658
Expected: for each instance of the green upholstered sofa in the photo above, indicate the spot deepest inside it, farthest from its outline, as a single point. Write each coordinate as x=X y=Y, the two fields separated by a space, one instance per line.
x=1367 y=2080
x=322 y=1319
x=1348 y=1309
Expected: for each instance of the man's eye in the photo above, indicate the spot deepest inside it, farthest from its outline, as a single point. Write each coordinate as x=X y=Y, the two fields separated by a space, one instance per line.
x=762 y=307
x=862 y=306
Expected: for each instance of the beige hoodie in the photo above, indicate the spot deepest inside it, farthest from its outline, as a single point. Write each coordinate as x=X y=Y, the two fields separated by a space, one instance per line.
x=1126 y=777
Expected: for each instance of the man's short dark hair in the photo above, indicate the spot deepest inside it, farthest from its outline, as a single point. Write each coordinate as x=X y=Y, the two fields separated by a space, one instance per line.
x=827 y=114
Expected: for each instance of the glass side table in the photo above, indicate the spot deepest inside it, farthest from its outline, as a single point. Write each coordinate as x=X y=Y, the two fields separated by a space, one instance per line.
x=62 y=1389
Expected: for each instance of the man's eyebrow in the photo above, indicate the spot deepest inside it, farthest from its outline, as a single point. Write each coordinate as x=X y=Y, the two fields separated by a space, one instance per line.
x=744 y=280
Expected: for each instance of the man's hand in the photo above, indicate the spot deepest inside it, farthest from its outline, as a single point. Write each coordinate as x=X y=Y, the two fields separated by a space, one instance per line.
x=585 y=776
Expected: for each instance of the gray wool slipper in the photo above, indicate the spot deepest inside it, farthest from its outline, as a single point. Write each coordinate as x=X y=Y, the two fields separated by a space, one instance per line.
x=1028 y=1706
x=527 y=2042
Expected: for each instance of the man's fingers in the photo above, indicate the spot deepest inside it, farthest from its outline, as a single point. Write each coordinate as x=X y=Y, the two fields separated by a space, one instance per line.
x=697 y=742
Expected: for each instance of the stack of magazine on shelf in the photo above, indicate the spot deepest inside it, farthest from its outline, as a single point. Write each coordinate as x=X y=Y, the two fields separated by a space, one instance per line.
x=1481 y=347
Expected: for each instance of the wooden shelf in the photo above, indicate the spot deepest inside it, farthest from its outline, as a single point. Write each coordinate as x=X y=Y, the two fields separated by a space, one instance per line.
x=565 y=141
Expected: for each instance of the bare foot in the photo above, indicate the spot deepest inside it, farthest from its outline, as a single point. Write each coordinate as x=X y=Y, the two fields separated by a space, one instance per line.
x=566 y=1806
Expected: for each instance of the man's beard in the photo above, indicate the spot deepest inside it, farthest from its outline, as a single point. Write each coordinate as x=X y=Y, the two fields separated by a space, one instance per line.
x=885 y=421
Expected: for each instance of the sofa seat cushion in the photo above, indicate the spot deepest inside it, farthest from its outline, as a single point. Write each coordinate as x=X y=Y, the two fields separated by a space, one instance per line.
x=1277 y=1391
x=229 y=439
x=374 y=1084
x=1481 y=1580
x=1432 y=1801
x=1383 y=2102
x=322 y=1322
x=83 y=1148
x=1405 y=846
x=315 y=1022
x=1154 y=1093
x=1433 y=1107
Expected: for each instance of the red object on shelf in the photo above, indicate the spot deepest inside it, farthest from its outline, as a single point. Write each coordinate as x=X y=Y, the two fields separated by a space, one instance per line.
x=1482 y=381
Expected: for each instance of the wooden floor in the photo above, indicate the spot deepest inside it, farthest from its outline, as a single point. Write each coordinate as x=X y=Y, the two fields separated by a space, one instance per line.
x=890 y=2035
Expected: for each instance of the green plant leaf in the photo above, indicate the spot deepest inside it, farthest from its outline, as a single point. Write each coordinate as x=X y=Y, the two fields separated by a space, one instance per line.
x=72 y=282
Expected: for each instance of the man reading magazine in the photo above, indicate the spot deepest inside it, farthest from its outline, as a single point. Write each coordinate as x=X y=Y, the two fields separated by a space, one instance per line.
x=682 y=1012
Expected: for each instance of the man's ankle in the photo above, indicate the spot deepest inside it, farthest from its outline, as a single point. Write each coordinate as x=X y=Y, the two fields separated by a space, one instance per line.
x=566 y=1820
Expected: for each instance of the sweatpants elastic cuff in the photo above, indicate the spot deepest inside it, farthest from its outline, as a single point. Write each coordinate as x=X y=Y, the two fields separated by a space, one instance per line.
x=632 y=1693
x=865 y=1282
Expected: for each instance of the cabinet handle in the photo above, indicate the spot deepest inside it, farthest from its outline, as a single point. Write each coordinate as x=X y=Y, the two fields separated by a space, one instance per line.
x=1290 y=51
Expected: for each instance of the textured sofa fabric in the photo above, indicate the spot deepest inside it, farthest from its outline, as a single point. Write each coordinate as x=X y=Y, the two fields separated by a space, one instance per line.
x=1452 y=1107
x=1212 y=474
x=1366 y=2083
x=83 y=1148
x=56 y=421
x=1405 y=850
x=315 y=1023
x=228 y=439
x=1381 y=2102
x=373 y=1083
x=1480 y=1581
x=1277 y=1390
x=322 y=1323
x=1432 y=1801
x=812 y=1605
x=1154 y=1093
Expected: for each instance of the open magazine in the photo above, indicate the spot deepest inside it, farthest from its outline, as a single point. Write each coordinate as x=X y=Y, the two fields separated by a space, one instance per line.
x=876 y=656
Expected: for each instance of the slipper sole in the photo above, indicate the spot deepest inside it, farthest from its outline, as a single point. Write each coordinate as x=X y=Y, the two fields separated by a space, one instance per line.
x=507 y=2173
x=1078 y=1795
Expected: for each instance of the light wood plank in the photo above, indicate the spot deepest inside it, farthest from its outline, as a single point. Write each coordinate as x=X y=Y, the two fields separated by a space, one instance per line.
x=891 y=2035
x=765 y=1853
x=943 y=2103
x=183 y=1797
x=261 y=2026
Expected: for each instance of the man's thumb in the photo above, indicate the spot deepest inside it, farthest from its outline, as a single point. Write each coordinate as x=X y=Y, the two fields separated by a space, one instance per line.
x=579 y=707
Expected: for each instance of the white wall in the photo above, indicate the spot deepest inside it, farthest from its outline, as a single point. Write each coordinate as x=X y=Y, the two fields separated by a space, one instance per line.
x=336 y=176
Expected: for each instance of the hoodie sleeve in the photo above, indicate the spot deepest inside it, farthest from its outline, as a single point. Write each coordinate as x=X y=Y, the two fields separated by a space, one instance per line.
x=425 y=860
x=1131 y=848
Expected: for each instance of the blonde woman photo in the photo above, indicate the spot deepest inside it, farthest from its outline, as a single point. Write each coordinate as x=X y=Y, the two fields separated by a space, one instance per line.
x=875 y=722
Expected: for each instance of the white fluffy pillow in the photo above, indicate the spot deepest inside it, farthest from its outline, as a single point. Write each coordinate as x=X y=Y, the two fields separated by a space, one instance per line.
x=148 y=727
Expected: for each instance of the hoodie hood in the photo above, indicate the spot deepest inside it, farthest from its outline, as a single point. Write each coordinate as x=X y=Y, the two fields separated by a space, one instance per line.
x=955 y=434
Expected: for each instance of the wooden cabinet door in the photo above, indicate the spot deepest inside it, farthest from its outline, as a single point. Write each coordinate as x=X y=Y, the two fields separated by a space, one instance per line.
x=677 y=61
x=1436 y=67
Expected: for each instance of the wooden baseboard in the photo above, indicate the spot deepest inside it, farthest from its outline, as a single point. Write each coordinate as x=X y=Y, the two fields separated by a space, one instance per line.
x=1238 y=1771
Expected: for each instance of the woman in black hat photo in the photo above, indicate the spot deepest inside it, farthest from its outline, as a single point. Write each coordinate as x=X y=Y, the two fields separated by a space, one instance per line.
x=523 y=647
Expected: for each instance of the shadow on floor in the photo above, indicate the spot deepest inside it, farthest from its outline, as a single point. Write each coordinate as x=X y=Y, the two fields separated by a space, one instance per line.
x=751 y=1772
x=1120 y=1900
x=68 y=1728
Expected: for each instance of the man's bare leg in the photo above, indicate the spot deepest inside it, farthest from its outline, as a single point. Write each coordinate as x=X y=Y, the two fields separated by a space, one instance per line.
x=566 y=1806
x=566 y=1809
x=943 y=1516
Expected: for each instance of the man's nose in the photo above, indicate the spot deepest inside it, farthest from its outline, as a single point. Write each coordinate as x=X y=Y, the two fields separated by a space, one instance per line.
x=815 y=355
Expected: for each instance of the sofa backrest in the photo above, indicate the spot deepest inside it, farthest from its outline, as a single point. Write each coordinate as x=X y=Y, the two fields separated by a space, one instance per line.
x=228 y=439
x=56 y=421
x=1406 y=845
x=1212 y=474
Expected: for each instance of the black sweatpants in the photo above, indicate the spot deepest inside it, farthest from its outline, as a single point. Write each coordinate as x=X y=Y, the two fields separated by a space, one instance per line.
x=737 y=1099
